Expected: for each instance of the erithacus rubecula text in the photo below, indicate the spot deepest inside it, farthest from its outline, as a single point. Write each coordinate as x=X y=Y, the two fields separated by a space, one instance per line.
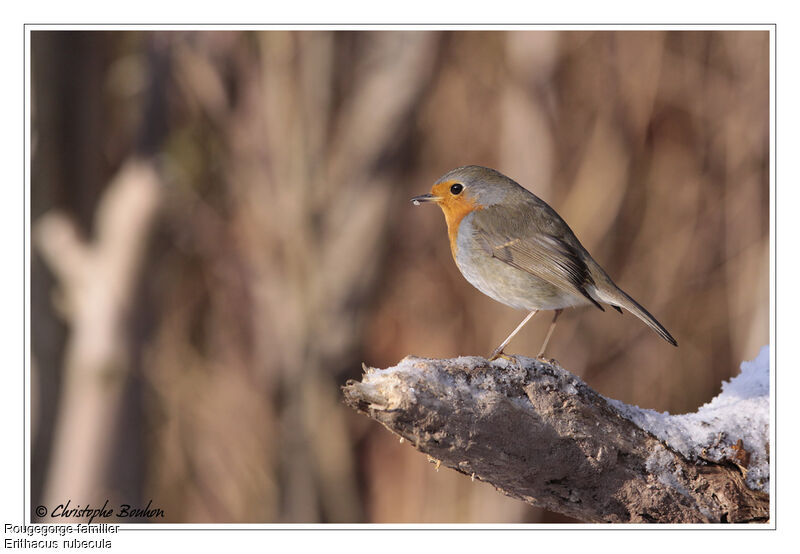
x=513 y=247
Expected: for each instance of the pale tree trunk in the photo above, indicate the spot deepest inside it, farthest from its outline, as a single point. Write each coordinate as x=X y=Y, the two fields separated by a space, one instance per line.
x=97 y=281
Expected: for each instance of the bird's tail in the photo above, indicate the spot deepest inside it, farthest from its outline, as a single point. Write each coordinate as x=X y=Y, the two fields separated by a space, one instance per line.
x=619 y=299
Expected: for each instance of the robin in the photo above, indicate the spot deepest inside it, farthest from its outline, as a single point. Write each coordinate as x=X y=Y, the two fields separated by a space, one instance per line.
x=513 y=247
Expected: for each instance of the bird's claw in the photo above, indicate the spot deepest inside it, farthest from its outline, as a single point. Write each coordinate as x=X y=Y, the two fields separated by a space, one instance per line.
x=508 y=357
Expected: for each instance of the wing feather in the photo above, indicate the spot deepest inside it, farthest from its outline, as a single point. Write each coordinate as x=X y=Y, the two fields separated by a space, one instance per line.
x=541 y=254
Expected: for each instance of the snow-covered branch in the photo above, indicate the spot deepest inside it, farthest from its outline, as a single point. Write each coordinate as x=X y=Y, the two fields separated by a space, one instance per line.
x=538 y=433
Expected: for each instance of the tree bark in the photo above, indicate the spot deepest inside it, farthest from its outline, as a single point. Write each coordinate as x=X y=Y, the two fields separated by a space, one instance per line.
x=538 y=433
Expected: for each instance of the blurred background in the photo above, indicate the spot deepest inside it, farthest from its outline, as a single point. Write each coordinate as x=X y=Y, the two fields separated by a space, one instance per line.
x=222 y=234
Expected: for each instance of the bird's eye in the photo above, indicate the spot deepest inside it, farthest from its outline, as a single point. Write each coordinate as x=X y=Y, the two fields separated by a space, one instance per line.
x=456 y=188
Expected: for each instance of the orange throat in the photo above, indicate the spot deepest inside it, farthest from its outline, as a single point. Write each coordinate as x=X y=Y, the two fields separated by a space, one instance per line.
x=455 y=208
x=454 y=212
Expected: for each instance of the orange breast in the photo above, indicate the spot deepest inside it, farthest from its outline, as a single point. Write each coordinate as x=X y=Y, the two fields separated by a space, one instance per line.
x=453 y=218
x=455 y=209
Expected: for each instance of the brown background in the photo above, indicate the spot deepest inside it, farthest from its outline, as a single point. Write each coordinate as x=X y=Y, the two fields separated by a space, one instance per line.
x=285 y=251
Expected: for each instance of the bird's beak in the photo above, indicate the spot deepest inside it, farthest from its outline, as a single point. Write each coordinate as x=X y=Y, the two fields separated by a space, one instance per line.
x=424 y=198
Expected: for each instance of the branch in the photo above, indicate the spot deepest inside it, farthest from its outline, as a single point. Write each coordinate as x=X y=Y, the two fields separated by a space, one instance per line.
x=540 y=434
x=96 y=280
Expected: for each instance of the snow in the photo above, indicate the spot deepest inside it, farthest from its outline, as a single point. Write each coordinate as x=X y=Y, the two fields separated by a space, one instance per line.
x=739 y=412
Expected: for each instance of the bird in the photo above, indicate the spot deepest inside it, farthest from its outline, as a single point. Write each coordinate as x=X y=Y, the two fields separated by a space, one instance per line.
x=512 y=246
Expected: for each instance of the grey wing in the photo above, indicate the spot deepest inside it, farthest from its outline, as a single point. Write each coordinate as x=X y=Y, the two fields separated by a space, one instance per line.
x=543 y=255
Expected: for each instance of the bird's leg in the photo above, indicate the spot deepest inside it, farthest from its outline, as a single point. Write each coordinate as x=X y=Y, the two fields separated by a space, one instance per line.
x=549 y=333
x=499 y=350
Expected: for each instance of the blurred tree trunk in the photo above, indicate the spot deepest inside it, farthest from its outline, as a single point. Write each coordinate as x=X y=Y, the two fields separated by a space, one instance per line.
x=297 y=139
x=96 y=285
x=65 y=174
x=95 y=453
x=314 y=191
